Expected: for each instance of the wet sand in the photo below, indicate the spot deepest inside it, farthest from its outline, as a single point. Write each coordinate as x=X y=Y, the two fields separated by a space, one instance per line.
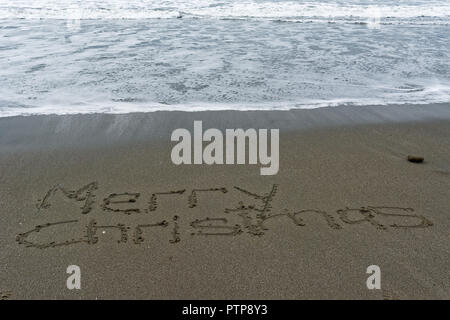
x=345 y=198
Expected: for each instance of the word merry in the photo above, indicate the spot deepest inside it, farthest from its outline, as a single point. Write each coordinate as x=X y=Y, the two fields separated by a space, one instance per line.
x=213 y=152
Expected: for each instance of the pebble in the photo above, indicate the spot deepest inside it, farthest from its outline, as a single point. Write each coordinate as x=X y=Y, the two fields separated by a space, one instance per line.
x=415 y=159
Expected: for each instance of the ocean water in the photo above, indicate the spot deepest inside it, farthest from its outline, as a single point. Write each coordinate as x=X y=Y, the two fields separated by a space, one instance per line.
x=110 y=56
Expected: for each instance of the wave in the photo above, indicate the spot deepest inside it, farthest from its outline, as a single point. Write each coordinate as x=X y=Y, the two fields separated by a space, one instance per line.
x=402 y=95
x=388 y=11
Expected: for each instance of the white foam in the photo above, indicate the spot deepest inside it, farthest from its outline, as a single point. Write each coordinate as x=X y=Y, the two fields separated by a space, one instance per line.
x=150 y=9
x=429 y=96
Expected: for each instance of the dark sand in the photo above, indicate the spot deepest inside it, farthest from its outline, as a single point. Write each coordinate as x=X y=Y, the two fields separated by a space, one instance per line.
x=330 y=159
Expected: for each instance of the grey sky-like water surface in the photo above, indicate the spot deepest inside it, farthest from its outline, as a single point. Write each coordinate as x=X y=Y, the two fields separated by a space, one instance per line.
x=65 y=57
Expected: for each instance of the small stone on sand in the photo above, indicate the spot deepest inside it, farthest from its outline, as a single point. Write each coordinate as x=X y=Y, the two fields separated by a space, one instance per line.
x=415 y=159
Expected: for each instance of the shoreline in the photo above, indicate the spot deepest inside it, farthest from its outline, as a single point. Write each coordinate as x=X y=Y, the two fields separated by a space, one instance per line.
x=98 y=129
x=312 y=240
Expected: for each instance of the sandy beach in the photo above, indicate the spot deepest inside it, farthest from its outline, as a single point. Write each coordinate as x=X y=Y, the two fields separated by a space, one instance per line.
x=100 y=192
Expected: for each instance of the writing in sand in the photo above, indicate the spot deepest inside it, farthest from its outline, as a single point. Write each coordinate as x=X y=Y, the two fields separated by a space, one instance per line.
x=251 y=214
